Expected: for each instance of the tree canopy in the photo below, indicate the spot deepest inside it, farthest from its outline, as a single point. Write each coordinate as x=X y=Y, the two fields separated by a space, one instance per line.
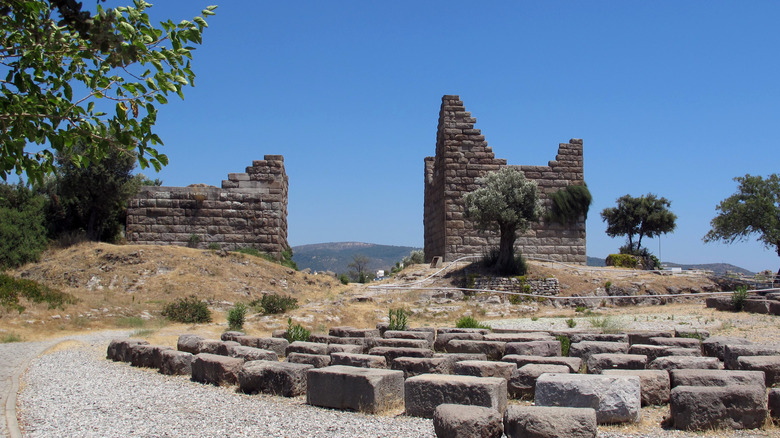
x=507 y=201
x=753 y=210
x=647 y=215
x=86 y=78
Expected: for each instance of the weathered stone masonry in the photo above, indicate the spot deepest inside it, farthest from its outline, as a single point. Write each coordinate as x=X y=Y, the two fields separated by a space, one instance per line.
x=250 y=210
x=462 y=156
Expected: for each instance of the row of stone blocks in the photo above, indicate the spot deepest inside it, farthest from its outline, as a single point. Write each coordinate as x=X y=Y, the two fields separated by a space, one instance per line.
x=616 y=394
x=766 y=305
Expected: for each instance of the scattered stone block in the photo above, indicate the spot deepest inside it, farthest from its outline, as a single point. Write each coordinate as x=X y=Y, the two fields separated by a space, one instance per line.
x=315 y=360
x=643 y=336
x=427 y=336
x=685 y=362
x=358 y=360
x=774 y=402
x=368 y=390
x=733 y=351
x=597 y=363
x=598 y=337
x=694 y=377
x=402 y=343
x=278 y=378
x=585 y=349
x=523 y=383
x=770 y=365
x=147 y=356
x=345 y=348
x=361 y=333
x=174 y=362
x=415 y=366
x=519 y=337
x=231 y=335
x=189 y=343
x=485 y=368
x=718 y=407
x=680 y=351
x=391 y=353
x=494 y=350
x=215 y=369
x=457 y=357
x=424 y=392
x=654 y=384
x=534 y=348
x=251 y=353
x=306 y=347
x=549 y=422
x=715 y=346
x=617 y=399
x=362 y=342
x=574 y=363
x=691 y=333
x=651 y=351
x=315 y=337
x=723 y=304
x=442 y=339
x=277 y=345
x=456 y=421
x=677 y=342
x=118 y=349
x=443 y=330
x=340 y=331
x=758 y=305
x=213 y=346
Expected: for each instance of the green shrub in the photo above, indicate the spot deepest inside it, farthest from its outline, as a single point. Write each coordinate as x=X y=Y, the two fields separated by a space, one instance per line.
x=622 y=261
x=398 y=319
x=607 y=324
x=274 y=304
x=568 y=204
x=11 y=289
x=490 y=259
x=296 y=332
x=193 y=241
x=565 y=344
x=130 y=322
x=516 y=299
x=187 y=310
x=607 y=285
x=213 y=246
x=739 y=297
x=10 y=337
x=571 y=323
x=22 y=226
x=470 y=322
x=580 y=309
x=236 y=316
x=344 y=278
x=286 y=259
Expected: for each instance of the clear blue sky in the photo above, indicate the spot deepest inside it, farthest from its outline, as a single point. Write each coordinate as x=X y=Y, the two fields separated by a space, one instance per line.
x=674 y=98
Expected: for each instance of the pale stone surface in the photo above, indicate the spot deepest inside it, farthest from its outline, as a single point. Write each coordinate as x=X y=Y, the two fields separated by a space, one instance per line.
x=278 y=378
x=485 y=368
x=391 y=353
x=585 y=349
x=616 y=399
x=147 y=356
x=213 y=346
x=424 y=392
x=718 y=407
x=598 y=337
x=732 y=351
x=643 y=336
x=361 y=389
x=574 y=363
x=215 y=369
x=306 y=347
x=597 y=363
x=118 y=349
x=231 y=335
x=316 y=360
x=770 y=365
x=715 y=346
x=699 y=377
x=189 y=343
x=654 y=384
x=174 y=362
x=685 y=362
x=345 y=348
x=494 y=350
x=277 y=345
x=414 y=366
x=402 y=342
x=251 y=353
x=676 y=342
x=358 y=360
x=534 y=348
x=549 y=422
x=523 y=383
x=442 y=339
x=465 y=421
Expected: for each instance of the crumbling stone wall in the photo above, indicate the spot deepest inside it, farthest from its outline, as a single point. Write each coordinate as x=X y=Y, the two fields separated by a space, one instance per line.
x=249 y=210
x=462 y=156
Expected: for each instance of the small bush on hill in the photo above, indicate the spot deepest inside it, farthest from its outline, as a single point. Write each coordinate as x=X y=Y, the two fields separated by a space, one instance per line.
x=286 y=259
x=22 y=226
x=739 y=297
x=236 y=317
x=187 y=310
x=274 y=304
x=622 y=261
x=296 y=332
x=471 y=322
x=12 y=288
x=398 y=319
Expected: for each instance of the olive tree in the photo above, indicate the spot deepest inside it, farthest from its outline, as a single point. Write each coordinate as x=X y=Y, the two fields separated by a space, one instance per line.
x=508 y=202
x=647 y=215
x=69 y=76
x=753 y=210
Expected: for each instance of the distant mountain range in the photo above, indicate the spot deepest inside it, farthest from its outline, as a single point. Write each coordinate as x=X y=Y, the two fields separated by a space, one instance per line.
x=335 y=256
x=718 y=268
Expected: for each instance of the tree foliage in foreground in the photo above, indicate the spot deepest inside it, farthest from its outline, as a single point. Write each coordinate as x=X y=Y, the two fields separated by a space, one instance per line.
x=506 y=201
x=753 y=210
x=91 y=78
x=647 y=215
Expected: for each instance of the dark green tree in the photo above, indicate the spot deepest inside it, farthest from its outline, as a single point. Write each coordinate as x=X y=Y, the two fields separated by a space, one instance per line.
x=358 y=268
x=22 y=225
x=508 y=202
x=753 y=210
x=68 y=76
x=647 y=215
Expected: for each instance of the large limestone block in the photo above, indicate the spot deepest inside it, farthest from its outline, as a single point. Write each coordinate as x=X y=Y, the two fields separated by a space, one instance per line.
x=574 y=363
x=715 y=346
x=189 y=343
x=732 y=351
x=534 y=348
x=616 y=399
x=685 y=362
x=494 y=350
x=698 y=377
x=464 y=421
x=391 y=353
x=654 y=384
x=457 y=357
x=774 y=402
x=213 y=346
x=277 y=345
x=306 y=347
x=597 y=363
x=598 y=337
x=251 y=353
x=231 y=335
x=427 y=336
x=443 y=339
x=147 y=356
x=215 y=369
x=444 y=330
x=549 y=422
x=485 y=368
x=278 y=378
x=118 y=349
x=358 y=360
x=424 y=392
x=345 y=348
x=770 y=365
x=651 y=351
x=643 y=336
x=414 y=366
x=718 y=407
x=519 y=337
x=585 y=349
x=523 y=383
x=315 y=360
x=361 y=389
x=174 y=362
x=676 y=342
x=401 y=342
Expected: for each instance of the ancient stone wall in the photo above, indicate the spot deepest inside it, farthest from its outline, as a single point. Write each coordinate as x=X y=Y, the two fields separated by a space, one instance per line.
x=462 y=156
x=249 y=210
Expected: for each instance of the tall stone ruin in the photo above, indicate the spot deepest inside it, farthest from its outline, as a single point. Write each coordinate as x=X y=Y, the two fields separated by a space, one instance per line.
x=249 y=210
x=462 y=156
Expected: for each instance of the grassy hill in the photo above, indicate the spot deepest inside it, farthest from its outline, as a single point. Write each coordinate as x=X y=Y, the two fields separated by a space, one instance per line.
x=335 y=256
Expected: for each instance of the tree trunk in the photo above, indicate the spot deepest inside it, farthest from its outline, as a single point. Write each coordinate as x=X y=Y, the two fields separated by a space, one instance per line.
x=506 y=251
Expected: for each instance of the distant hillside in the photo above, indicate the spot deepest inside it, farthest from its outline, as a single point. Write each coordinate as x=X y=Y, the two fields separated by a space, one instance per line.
x=335 y=256
x=718 y=268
